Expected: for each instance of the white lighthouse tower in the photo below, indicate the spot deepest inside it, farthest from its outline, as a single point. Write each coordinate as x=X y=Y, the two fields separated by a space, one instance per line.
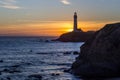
x=75 y=23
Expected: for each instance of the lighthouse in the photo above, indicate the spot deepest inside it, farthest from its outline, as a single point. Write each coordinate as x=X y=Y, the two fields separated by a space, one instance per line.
x=75 y=22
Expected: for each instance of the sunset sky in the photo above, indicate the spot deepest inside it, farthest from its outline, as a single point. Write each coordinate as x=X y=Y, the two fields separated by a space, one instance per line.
x=54 y=17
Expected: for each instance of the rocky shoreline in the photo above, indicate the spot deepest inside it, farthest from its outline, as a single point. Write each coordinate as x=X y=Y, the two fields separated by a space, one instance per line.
x=79 y=36
x=100 y=55
x=21 y=70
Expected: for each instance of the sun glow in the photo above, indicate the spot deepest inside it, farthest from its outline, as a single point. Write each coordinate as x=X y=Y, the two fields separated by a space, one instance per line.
x=47 y=28
x=69 y=30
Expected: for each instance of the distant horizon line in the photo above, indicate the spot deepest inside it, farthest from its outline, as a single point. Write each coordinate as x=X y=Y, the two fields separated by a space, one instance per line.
x=27 y=36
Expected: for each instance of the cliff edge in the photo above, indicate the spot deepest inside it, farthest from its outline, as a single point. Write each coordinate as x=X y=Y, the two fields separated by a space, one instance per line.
x=79 y=36
x=100 y=55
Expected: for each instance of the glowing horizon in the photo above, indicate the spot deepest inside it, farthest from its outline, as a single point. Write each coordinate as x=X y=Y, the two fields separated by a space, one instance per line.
x=54 y=17
x=56 y=28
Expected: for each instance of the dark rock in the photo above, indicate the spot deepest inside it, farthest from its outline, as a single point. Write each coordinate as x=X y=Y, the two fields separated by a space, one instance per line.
x=100 y=55
x=14 y=71
x=25 y=63
x=1 y=61
x=67 y=70
x=8 y=78
x=5 y=70
x=35 y=76
x=67 y=53
x=55 y=74
x=75 y=36
x=11 y=70
x=42 y=70
x=28 y=63
x=16 y=66
x=31 y=50
x=47 y=41
x=75 y=53
x=42 y=53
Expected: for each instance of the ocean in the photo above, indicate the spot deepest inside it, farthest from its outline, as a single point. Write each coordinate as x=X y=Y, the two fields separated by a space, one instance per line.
x=21 y=57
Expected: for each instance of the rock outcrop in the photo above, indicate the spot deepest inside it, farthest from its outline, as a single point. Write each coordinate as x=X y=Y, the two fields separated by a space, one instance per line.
x=100 y=55
x=75 y=36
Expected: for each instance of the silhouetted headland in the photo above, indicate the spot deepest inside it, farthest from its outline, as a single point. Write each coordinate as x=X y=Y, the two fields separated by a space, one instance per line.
x=100 y=55
x=79 y=36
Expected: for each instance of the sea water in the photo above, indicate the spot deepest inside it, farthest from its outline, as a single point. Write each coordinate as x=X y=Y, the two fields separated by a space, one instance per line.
x=21 y=57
